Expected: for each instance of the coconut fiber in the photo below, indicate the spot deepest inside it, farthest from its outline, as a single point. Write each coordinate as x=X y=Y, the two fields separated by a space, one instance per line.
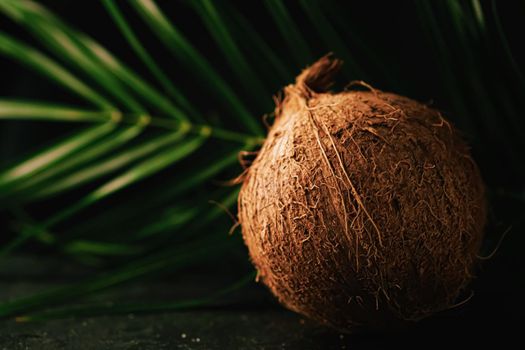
x=362 y=208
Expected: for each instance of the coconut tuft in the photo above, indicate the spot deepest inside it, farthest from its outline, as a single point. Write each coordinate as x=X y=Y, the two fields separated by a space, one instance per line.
x=362 y=208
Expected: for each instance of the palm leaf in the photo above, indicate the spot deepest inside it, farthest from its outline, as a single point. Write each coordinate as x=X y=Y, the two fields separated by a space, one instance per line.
x=45 y=159
x=96 y=309
x=30 y=110
x=130 y=36
x=247 y=78
x=290 y=32
x=183 y=50
x=26 y=55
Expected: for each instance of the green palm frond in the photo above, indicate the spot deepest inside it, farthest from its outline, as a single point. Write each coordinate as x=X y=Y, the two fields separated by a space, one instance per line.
x=126 y=186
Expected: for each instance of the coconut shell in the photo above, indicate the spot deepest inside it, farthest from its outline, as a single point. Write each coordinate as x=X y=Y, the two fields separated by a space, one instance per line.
x=362 y=208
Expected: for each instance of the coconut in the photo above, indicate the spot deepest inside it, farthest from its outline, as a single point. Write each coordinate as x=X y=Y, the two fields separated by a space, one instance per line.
x=362 y=208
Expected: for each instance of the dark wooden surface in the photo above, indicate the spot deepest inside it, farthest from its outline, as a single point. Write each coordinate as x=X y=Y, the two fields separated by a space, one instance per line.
x=248 y=319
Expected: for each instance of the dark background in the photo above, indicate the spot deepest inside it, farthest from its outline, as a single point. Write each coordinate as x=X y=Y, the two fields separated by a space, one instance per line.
x=391 y=42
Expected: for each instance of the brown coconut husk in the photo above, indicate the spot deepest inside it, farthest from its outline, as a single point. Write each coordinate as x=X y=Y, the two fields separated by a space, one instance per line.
x=362 y=207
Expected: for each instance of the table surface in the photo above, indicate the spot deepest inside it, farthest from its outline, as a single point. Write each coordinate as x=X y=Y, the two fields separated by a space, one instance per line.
x=248 y=319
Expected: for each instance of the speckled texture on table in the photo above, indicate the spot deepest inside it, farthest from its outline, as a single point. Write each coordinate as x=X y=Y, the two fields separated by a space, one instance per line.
x=249 y=319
